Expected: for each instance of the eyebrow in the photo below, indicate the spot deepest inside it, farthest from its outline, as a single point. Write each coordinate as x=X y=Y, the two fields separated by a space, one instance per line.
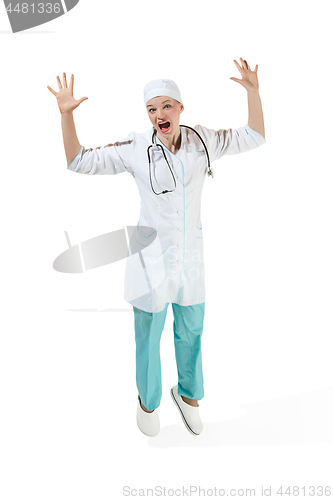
x=167 y=100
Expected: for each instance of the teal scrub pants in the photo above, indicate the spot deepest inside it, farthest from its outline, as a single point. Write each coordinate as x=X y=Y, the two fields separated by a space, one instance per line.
x=187 y=328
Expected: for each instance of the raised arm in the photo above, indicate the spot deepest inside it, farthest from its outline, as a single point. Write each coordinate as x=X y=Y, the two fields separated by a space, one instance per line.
x=67 y=104
x=239 y=140
x=250 y=82
x=111 y=159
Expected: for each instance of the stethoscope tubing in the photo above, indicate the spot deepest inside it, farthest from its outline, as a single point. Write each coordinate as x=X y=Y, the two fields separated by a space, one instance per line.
x=174 y=180
x=153 y=139
x=210 y=172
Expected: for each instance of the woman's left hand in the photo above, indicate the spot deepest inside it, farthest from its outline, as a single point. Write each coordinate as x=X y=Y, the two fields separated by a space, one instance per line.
x=249 y=78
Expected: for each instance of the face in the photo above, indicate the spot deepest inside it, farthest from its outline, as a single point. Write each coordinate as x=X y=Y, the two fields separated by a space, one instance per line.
x=164 y=113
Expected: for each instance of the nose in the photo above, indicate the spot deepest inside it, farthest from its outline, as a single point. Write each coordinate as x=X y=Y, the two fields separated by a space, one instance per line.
x=160 y=114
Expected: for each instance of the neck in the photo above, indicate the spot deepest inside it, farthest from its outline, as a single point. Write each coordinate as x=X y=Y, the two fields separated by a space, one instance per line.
x=172 y=142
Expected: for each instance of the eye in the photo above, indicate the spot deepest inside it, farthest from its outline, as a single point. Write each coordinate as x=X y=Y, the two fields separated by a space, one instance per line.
x=167 y=105
x=151 y=109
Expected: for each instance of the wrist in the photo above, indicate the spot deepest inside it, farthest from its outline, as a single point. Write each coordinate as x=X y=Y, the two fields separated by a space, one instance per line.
x=253 y=92
x=66 y=113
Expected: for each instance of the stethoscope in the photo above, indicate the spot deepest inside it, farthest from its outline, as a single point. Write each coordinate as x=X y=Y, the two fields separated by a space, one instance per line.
x=155 y=145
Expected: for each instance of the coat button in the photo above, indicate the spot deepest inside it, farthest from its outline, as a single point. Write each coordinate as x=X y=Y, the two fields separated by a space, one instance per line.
x=178 y=228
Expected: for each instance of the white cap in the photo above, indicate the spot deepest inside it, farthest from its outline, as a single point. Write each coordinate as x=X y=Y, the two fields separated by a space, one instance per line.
x=161 y=87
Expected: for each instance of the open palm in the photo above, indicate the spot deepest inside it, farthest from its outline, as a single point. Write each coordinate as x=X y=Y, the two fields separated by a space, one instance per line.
x=65 y=97
x=249 y=78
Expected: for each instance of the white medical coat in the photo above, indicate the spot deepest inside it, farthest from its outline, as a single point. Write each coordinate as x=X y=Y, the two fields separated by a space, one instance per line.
x=174 y=264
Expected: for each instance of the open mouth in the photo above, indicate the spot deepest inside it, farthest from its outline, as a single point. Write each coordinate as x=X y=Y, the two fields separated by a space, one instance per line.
x=164 y=126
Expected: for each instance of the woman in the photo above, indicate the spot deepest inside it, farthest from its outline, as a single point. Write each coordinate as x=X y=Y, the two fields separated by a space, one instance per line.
x=170 y=269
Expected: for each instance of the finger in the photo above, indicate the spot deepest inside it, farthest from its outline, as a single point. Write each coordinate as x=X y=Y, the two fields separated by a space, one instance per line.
x=53 y=91
x=244 y=62
x=239 y=67
x=82 y=99
x=247 y=65
x=235 y=79
x=256 y=68
x=59 y=83
x=64 y=79
x=71 y=83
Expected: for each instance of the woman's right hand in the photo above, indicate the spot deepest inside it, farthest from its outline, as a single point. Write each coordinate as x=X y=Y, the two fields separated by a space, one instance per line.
x=65 y=97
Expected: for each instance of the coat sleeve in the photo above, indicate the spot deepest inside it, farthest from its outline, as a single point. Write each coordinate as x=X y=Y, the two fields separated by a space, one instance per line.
x=230 y=141
x=110 y=159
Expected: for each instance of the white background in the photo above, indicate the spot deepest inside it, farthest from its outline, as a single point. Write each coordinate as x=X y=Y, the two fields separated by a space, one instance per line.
x=68 y=393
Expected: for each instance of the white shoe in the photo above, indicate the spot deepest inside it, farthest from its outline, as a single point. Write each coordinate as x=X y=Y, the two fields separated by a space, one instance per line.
x=190 y=414
x=148 y=423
